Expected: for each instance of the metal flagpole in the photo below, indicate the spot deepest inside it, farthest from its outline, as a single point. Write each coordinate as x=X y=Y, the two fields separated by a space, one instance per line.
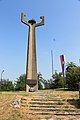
x=52 y=61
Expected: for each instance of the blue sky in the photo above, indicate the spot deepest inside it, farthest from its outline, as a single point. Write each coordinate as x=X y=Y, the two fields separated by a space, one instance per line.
x=62 y=22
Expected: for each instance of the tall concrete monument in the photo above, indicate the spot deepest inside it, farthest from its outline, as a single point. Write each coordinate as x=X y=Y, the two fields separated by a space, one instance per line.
x=31 y=68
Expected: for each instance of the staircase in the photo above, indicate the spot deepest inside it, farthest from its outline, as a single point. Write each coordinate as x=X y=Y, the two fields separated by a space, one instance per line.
x=46 y=105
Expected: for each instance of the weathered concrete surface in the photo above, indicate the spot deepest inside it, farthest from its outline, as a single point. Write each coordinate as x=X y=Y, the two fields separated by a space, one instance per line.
x=31 y=69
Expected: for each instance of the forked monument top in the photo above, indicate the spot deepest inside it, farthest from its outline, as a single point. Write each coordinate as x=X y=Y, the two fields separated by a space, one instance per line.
x=31 y=21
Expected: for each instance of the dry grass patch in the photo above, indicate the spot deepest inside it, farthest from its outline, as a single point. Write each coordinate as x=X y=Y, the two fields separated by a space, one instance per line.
x=7 y=112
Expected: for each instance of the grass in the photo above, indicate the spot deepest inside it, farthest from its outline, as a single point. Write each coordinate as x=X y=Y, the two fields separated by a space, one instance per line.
x=7 y=112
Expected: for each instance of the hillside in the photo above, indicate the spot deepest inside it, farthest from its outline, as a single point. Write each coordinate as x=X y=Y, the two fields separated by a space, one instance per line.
x=43 y=105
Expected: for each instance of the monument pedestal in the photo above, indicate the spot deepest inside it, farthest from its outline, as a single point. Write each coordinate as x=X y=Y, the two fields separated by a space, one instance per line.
x=31 y=89
x=31 y=85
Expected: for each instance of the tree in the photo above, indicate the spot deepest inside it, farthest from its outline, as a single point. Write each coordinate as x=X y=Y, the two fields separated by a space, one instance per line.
x=46 y=84
x=72 y=76
x=20 y=84
x=6 y=85
x=41 y=82
x=58 y=80
x=70 y=65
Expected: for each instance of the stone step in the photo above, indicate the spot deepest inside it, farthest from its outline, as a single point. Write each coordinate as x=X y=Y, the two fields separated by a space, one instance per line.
x=55 y=109
x=51 y=106
x=47 y=99
x=40 y=113
x=45 y=103
x=44 y=96
x=59 y=113
x=48 y=106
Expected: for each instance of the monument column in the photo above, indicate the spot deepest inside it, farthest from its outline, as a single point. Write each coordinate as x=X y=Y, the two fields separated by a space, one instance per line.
x=31 y=68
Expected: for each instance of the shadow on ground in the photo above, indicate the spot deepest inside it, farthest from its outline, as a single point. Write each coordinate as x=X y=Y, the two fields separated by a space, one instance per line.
x=75 y=102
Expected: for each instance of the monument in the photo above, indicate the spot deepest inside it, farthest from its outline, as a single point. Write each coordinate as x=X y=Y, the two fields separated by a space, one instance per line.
x=31 y=68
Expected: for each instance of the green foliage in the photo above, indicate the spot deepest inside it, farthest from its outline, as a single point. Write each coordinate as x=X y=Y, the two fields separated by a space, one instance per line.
x=44 y=84
x=40 y=81
x=72 y=76
x=59 y=81
x=20 y=84
x=6 y=85
x=49 y=84
x=56 y=82
x=70 y=65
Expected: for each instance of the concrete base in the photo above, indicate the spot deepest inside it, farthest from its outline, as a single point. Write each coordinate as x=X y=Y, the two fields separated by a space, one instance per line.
x=31 y=89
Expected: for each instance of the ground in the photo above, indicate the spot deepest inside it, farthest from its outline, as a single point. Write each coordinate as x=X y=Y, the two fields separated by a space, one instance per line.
x=42 y=105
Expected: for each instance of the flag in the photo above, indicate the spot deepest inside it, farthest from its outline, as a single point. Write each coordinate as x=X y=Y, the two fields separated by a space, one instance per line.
x=62 y=63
